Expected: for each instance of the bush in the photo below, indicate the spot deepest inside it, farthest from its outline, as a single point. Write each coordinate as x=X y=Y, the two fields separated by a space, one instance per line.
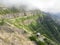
x=2 y=22
x=33 y=38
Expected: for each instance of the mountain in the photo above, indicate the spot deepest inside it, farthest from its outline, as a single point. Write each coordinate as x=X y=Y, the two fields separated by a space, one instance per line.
x=23 y=29
x=56 y=17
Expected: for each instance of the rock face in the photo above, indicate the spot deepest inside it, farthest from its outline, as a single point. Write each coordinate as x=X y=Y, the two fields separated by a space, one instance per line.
x=13 y=36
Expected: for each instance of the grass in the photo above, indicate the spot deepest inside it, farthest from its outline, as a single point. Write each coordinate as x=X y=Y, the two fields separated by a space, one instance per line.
x=32 y=28
x=35 y=38
x=1 y=21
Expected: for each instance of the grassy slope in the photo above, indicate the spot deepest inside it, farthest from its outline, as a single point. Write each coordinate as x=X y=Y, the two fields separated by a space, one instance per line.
x=40 y=23
x=45 y=27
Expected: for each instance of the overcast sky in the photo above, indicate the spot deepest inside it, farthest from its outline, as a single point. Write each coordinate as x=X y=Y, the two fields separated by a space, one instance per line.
x=44 y=5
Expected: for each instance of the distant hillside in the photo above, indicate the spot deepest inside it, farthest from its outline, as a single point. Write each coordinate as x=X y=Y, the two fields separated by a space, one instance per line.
x=56 y=17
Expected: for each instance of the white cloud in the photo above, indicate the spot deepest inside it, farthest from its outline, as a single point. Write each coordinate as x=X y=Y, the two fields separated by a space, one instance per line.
x=45 y=5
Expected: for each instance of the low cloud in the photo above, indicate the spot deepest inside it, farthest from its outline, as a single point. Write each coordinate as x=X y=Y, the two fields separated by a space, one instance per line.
x=44 y=5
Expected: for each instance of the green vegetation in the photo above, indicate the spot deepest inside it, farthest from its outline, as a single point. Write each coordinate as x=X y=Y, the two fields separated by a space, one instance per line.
x=34 y=38
x=8 y=11
x=41 y=23
x=36 y=26
x=1 y=21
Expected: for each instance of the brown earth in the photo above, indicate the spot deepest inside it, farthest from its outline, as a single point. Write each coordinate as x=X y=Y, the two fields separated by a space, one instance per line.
x=13 y=36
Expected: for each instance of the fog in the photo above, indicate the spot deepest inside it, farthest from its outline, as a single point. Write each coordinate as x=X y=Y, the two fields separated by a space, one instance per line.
x=44 y=5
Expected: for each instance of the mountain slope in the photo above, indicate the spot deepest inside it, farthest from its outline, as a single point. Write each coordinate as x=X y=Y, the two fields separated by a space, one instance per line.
x=29 y=26
x=13 y=36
